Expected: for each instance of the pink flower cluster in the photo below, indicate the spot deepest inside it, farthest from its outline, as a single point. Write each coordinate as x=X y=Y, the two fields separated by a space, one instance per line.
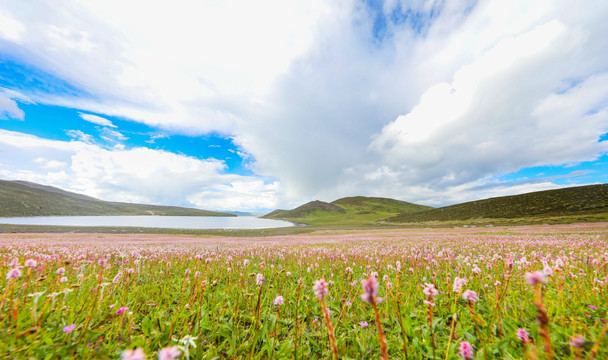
x=370 y=289
x=320 y=289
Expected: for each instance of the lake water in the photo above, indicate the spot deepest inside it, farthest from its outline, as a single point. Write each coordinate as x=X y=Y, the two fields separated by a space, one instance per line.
x=165 y=222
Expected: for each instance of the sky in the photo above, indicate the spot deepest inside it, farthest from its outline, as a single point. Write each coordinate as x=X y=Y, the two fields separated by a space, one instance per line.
x=257 y=105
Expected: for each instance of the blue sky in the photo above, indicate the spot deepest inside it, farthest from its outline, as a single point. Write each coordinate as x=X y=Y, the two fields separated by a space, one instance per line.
x=283 y=102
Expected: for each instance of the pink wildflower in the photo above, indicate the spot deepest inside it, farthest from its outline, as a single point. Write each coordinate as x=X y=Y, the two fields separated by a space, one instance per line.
x=68 y=329
x=259 y=280
x=470 y=295
x=169 y=353
x=116 y=279
x=63 y=279
x=522 y=335
x=458 y=284
x=278 y=301
x=577 y=341
x=536 y=278
x=30 y=263
x=370 y=289
x=466 y=350
x=121 y=310
x=320 y=289
x=137 y=354
x=363 y=324
x=430 y=290
x=13 y=274
x=61 y=271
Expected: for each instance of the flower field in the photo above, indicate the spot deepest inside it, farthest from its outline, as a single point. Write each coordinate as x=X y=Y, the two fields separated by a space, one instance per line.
x=501 y=293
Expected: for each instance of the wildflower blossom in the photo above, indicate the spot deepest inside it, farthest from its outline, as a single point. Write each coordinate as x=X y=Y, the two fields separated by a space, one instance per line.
x=430 y=290
x=30 y=263
x=470 y=295
x=60 y=271
x=169 y=353
x=121 y=310
x=370 y=289
x=363 y=324
x=13 y=274
x=278 y=300
x=259 y=279
x=577 y=341
x=63 y=279
x=522 y=335
x=466 y=350
x=68 y=329
x=536 y=278
x=116 y=279
x=458 y=284
x=137 y=354
x=320 y=289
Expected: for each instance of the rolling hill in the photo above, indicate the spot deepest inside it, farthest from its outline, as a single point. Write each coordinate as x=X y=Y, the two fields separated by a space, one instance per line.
x=358 y=210
x=567 y=202
x=21 y=198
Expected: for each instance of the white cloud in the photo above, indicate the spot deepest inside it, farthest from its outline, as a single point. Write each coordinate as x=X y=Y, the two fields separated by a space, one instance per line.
x=482 y=88
x=96 y=120
x=9 y=108
x=50 y=164
x=10 y=29
x=132 y=175
x=240 y=195
x=80 y=136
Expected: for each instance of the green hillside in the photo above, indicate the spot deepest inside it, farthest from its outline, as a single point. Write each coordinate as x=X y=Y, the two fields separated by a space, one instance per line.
x=355 y=211
x=29 y=199
x=568 y=202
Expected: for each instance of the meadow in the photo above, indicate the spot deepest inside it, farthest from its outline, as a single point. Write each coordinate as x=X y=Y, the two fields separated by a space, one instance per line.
x=527 y=292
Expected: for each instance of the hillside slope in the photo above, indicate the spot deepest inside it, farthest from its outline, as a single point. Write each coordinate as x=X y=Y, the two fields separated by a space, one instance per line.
x=358 y=210
x=30 y=199
x=580 y=200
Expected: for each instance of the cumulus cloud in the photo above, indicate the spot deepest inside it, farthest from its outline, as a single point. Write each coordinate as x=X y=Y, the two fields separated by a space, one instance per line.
x=506 y=110
x=419 y=100
x=132 y=175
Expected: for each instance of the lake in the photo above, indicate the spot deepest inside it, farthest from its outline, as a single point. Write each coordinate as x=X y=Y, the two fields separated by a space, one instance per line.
x=165 y=222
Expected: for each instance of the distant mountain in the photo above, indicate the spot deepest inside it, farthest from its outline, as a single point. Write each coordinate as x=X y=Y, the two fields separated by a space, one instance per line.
x=22 y=198
x=572 y=201
x=239 y=213
x=358 y=210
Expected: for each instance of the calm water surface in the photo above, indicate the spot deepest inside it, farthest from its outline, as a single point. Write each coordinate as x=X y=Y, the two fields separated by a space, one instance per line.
x=165 y=222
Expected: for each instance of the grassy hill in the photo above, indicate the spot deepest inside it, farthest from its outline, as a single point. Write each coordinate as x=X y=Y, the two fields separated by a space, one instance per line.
x=20 y=198
x=353 y=211
x=569 y=202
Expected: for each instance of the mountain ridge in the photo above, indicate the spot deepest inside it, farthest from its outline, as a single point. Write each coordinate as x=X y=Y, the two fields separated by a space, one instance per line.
x=22 y=198
x=570 y=201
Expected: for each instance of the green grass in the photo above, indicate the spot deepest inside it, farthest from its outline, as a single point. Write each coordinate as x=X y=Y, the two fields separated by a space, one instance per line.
x=95 y=297
x=568 y=203
x=346 y=212
x=28 y=199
